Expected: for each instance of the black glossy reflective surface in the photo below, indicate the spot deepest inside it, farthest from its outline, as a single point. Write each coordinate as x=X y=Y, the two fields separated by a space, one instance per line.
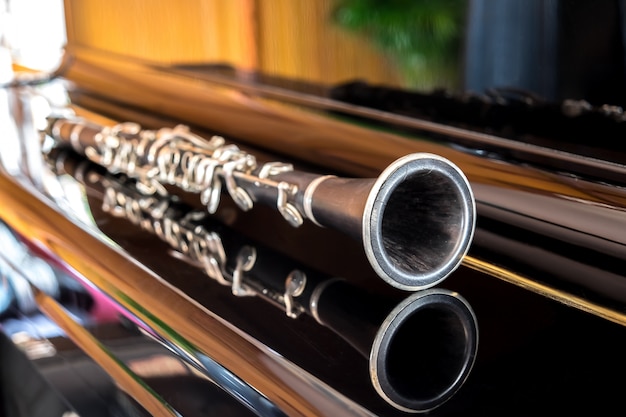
x=525 y=96
x=530 y=347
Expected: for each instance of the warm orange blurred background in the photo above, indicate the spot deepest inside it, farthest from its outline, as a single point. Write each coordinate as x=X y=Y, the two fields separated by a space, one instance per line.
x=293 y=39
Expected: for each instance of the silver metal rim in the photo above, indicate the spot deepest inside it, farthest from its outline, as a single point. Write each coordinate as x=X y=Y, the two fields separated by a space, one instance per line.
x=374 y=209
x=415 y=302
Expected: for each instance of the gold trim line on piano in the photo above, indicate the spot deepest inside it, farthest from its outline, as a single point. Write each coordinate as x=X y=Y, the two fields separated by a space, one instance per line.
x=556 y=294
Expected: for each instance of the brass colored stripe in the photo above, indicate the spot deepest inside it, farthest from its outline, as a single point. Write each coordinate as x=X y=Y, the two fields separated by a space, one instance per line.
x=556 y=294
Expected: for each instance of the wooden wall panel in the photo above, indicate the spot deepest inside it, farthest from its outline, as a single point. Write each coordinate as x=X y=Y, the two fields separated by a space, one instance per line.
x=165 y=30
x=290 y=38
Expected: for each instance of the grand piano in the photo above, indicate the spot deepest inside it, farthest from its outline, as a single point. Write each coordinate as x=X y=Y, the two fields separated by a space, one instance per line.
x=316 y=208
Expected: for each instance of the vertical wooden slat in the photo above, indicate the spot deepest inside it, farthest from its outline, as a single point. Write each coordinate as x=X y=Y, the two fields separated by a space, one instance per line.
x=300 y=40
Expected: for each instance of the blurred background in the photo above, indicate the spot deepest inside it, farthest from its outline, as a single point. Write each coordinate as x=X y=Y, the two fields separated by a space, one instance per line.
x=555 y=49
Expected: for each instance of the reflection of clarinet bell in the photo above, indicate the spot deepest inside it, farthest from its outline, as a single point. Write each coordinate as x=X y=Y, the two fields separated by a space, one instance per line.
x=420 y=350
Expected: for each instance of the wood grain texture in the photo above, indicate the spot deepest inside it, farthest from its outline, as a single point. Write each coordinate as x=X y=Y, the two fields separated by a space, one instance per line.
x=293 y=39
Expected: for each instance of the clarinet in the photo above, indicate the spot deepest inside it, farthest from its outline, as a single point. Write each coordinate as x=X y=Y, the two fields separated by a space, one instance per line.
x=415 y=221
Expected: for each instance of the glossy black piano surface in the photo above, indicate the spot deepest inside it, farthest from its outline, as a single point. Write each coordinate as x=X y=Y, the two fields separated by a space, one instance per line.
x=101 y=314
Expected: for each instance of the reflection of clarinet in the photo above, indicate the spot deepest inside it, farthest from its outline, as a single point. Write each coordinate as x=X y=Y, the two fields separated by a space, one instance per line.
x=416 y=220
x=420 y=350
